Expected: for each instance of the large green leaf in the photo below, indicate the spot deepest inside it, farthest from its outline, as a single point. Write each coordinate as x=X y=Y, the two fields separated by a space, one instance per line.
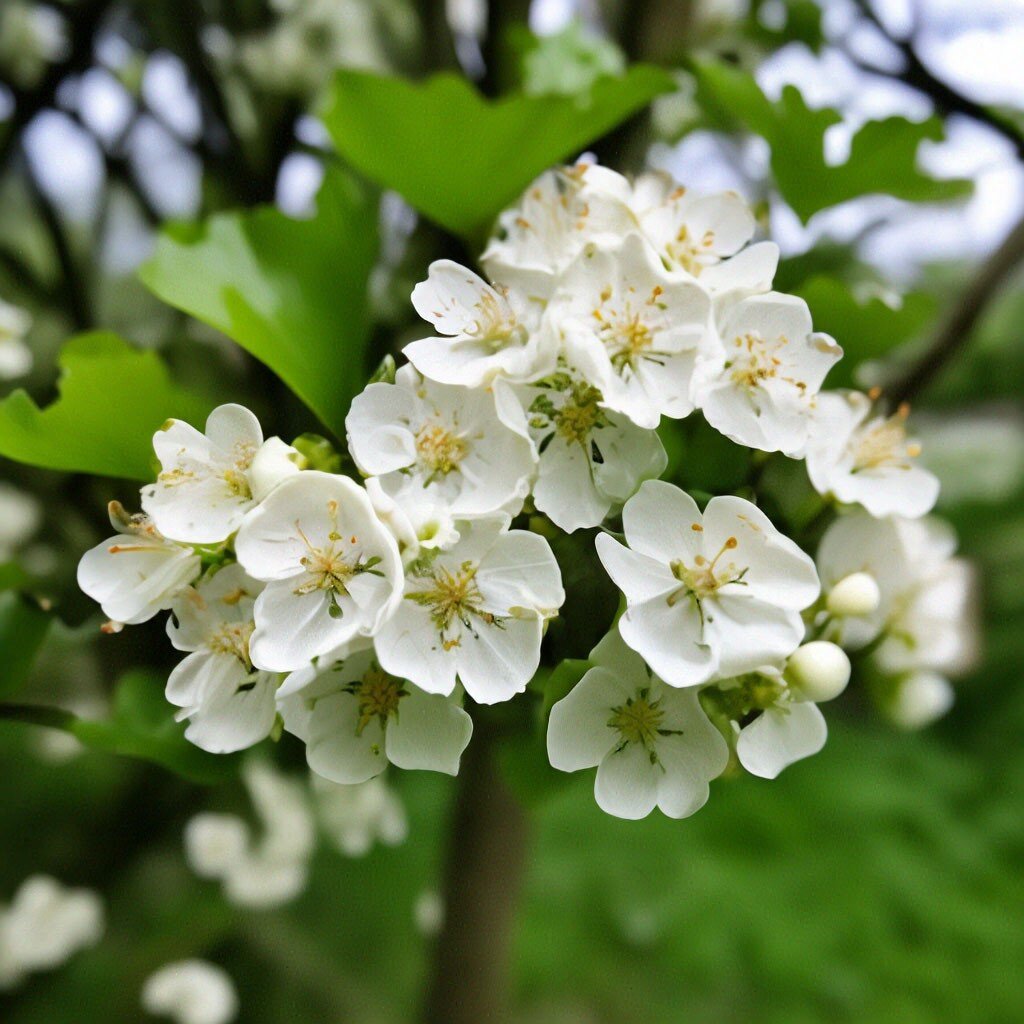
x=883 y=154
x=291 y=292
x=141 y=725
x=868 y=329
x=460 y=158
x=112 y=399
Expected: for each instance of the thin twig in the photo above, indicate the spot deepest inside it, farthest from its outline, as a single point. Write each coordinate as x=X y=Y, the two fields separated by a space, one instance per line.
x=956 y=330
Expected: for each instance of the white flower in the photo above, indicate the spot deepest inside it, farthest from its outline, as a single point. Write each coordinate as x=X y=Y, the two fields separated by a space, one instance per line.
x=468 y=448
x=632 y=329
x=867 y=461
x=708 y=596
x=565 y=209
x=191 y=992
x=332 y=569
x=418 y=517
x=355 y=718
x=760 y=388
x=705 y=235
x=924 y=594
x=787 y=729
x=919 y=699
x=356 y=817
x=137 y=573
x=44 y=926
x=229 y=704
x=475 y=612
x=209 y=481
x=15 y=356
x=487 y=332
x=652 y=744
x=590 y=458
x=256 y=873
x=21 y=515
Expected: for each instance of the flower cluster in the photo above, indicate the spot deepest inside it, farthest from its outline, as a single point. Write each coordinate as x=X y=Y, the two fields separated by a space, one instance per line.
x=359 y=616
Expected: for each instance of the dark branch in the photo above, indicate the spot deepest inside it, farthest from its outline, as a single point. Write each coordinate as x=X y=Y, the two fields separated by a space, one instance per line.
x=956 y=330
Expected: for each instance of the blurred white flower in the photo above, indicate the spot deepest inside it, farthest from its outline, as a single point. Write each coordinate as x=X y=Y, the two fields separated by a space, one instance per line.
x=15 y=356
x=428 y=913
x=31 y=36
x=209 y=481
x=652 y=744
x=918 y=699
x=44 y=926
x=191 y=992
x=356 y=817
x=21 y=515
x=711 y=595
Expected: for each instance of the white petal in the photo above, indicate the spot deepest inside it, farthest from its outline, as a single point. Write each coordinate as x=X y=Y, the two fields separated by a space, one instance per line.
x=578 y=731
x=230 y=426
x=450 y=297
x=780 y=736
x=640 y=577
x=378 y=428
x=627 y=783
x=660 y=520
x=520 y=571
x=496 y=662
x=429 y=732
x=335 y=750
x=671 y=640
x=292 y=629
x=746 y=633
x=565 y=490
x=408 y=647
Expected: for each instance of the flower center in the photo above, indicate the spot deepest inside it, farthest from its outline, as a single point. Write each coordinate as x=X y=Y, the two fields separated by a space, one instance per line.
x=378 y=695
x=704 y=578
x=496 y=324
x=454 y=598
x=233 y=638
x=439 y=449
x=884 y=443
x=638 y=720
x=756 y=361
x=581 y=414
x=692 y=254
x=627 y=334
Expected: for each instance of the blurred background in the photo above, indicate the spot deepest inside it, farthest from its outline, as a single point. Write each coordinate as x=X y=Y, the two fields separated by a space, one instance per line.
x=880 y=880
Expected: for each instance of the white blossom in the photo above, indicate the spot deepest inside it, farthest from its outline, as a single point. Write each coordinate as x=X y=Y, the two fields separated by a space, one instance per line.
x=565 y=209
x=652 y=744
x=589 y=458
x=469 y=449
x=418 y=517
x=867 y=460
x=919 y=698
x=355 y=719
x=15 y=356
x=357 y=816
x=760 y=387
x=632 y=329
x=191 y=992
x=44 y=926
x=21 y=515
x=209 y=481
x=486 y=331
x=475 y=613
x=137 y=573
x=708 y=595
x=333 y=571
x=215 y=843
x=229 y=704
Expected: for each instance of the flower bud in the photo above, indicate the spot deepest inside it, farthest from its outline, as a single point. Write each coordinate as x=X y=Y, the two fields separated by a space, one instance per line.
x=856 y=594
x=818 y=671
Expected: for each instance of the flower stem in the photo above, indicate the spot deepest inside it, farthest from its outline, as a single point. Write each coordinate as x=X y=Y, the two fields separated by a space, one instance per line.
x=469 y=974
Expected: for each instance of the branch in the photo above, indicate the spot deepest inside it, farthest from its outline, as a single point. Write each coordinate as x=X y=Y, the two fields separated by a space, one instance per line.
x=946 y=99
x=468 y=982
x=956 y=330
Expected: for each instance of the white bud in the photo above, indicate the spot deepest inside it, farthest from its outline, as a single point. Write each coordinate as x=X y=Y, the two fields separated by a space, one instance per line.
x=920 y=699
x=856 y=594
x=818 y=671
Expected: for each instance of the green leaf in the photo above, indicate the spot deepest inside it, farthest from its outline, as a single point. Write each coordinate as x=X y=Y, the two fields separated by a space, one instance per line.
x=142 y=726
x=23 y=628
x=460 y=158
x=883 y=154
x=112 y=399
x=868 y=329
x=293 y=293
